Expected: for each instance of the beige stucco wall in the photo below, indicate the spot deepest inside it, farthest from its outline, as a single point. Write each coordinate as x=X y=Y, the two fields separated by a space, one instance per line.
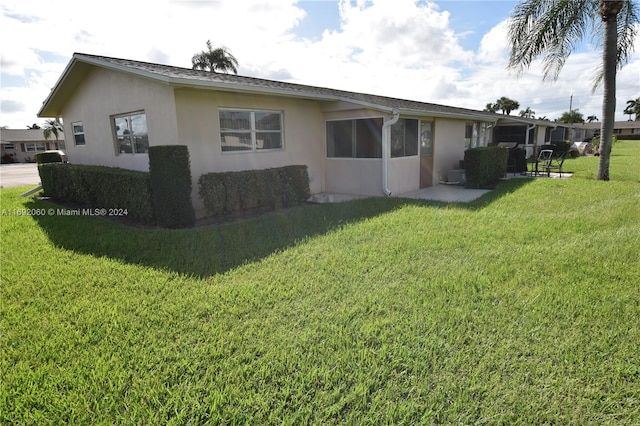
x=448 y=147
x=404 y=174
x=199 y=129
x=358 y=176
x=103 y=94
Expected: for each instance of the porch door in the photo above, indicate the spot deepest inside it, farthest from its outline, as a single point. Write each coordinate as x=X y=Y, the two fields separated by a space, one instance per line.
x=426 y=154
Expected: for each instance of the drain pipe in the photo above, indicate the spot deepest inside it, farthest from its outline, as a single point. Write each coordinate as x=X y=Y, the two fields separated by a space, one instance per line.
x=386 y=147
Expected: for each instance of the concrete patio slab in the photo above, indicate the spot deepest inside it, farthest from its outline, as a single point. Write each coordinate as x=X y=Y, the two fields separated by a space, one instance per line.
x=447 y=193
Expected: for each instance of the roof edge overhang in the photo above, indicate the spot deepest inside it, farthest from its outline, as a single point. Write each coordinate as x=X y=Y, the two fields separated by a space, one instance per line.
x=53 y=103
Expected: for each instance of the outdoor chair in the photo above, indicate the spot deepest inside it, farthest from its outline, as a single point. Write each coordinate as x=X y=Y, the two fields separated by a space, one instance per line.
x=554 y=163
x=544 y=159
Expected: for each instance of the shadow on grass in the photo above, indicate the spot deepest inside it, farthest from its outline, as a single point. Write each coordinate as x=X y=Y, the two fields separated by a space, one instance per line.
x=209 y=250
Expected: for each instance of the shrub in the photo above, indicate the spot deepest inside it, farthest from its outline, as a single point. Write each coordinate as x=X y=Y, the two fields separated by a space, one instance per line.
x=595 y=142
x=170 y=180
x=234 y=193
x=100 y=187
x=561 y=147
x=7 y=159
x=485 y=166
x=49 y=157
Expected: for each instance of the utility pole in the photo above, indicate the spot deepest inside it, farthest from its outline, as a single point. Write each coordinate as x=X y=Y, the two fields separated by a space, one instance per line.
x=571 y=103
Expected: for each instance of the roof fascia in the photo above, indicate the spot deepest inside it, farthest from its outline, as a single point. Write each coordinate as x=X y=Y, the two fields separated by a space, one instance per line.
x=56 y=87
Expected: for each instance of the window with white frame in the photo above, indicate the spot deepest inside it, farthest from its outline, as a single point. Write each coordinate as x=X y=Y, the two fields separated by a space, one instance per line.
x=131 y=133
x=9 y=146
x=250 y=131
x=404 y=138
x=358 y=138
x=35 y=146
x=78 y=133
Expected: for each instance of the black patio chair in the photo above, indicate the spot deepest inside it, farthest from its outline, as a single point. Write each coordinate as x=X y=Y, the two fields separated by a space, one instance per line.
x=555 y=163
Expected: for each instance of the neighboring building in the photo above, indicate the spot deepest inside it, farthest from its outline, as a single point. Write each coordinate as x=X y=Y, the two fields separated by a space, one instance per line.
x=621 y=129
x=352 y=143
x=23 y=144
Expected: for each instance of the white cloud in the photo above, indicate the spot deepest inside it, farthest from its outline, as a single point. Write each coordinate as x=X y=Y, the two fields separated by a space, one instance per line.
x=399 y=48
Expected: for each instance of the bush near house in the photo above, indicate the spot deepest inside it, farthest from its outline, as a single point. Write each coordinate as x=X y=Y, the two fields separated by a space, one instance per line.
x=170 y=179
x=233 y=194
x=100 y=187
x=485 y=166
x=49 y=157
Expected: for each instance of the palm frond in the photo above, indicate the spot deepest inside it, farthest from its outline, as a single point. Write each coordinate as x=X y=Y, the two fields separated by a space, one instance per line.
x=551 y=29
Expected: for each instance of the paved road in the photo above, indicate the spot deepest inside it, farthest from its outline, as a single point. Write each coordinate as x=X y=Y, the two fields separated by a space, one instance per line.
x=19 y=174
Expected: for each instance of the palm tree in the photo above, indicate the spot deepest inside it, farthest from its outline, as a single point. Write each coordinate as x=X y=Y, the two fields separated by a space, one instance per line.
x=51 y=127
x=491 y=107
x=573 y=116
x=34 y=126
x=527 y=113
x=219 y=59
x=633 y=107
x=506 y=105
x=552 y=29
x=592 y=118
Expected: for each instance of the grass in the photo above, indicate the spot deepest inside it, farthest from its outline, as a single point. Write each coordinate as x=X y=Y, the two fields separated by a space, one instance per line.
x=519 y=308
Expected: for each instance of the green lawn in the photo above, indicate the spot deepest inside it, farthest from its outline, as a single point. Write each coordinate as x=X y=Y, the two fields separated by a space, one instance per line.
x=522 y=307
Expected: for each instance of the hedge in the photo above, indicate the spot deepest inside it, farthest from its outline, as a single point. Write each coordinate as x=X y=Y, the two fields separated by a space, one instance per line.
x=100 y=187
x=170 y=179
x=48 y=157
x=485 y=166
x=233 y=194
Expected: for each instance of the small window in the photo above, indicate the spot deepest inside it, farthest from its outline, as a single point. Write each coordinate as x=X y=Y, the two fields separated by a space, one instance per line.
x=78 y=133
x=9 y=146
x=131 y=133
x=361 y=138
x=242 y=130
x=426 y=138
x=35 y=146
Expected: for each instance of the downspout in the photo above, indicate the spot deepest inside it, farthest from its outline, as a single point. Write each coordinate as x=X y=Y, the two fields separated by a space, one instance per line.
x=386 y=147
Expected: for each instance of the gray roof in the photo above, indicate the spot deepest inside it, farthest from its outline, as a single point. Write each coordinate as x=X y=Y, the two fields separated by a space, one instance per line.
x=187 y=77
x=616 y=125
x=25 y=135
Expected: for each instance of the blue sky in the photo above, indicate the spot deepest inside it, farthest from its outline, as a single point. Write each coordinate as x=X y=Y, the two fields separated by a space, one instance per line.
x=450 y=52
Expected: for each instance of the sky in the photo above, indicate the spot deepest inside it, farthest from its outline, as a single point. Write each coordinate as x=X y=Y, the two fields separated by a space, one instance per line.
x=450 y=52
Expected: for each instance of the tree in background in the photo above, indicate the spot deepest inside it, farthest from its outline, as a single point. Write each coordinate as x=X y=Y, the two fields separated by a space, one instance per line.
x=527 y=113
x=52 y=127
x=552 y=29
x=34 y=126
x=573 y=116
x=491 y=107
x=633 y=107
x=507 y=105
x=214 y=60
x=592 y=118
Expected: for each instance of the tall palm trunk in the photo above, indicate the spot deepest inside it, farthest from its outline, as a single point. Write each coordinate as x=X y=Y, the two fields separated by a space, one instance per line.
x=609 y=10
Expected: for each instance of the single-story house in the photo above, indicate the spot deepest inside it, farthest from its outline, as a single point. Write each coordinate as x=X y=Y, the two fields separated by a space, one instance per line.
x=352 y=143
x=21 y=145
x=621 y=129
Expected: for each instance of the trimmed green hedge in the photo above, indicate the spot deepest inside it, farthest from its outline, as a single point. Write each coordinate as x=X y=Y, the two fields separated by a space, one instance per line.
x=485 y=166
x=100 y=187
x=48 y=157
x=170 y=179
x=234 y=193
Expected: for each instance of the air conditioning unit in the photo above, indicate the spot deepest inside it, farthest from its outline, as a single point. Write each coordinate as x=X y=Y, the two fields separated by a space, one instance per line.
x=456 y=176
